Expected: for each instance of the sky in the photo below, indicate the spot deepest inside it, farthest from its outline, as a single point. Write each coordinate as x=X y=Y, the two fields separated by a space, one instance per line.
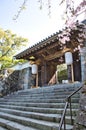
x=33 y=23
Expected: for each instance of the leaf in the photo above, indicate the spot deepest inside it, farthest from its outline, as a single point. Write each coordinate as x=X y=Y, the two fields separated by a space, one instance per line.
x=9 y=44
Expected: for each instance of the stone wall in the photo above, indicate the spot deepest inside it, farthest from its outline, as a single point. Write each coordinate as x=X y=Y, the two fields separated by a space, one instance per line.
x=83 y=63
x=9 y=84
x=19 y=79
x=26 y=79
x=81 y=117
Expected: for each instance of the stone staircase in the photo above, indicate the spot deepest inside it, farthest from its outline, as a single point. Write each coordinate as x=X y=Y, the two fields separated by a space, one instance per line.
x=38 y=108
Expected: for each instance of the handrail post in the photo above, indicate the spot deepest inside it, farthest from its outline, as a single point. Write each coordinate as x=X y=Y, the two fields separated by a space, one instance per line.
x=64 y=123
x=70 y=111
x=63 y=115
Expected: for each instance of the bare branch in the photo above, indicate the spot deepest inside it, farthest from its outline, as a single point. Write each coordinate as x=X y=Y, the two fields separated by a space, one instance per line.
x=22 y=7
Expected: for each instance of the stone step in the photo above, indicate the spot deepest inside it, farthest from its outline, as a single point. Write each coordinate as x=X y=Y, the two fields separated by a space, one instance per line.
x=62 y=100
x=40 y=110
x=38 y=124
x=47 y=97
x=41 y=105
x=39 y=116
x=56 y=92
x=56 y=96
x=2 y=128
x=45 y=91
x=54 y=88
x=10 y=125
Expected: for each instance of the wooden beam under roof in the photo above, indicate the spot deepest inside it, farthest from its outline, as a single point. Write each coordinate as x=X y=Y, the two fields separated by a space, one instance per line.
x=53 y=45
x=57 y=54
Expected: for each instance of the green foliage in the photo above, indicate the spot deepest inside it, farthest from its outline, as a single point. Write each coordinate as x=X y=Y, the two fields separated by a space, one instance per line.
x=62 y=75
x=9 y=44
x=61 y=67
x=62 y=72
x=84 y=82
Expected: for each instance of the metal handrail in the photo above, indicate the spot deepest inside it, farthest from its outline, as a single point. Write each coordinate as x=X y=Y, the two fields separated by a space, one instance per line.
x=68 y=101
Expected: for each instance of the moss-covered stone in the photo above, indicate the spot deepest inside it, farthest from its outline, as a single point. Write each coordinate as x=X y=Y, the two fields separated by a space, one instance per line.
x=79 y=127
x=80 y=123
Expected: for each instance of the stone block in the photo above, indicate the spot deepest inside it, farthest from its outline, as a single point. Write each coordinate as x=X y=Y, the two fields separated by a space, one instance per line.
x=81 y=118
x=84 y=89
x=79 y=127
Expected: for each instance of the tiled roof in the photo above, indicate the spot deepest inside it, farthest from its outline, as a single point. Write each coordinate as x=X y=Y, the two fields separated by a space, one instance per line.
x=38 y=45
x=42 y=44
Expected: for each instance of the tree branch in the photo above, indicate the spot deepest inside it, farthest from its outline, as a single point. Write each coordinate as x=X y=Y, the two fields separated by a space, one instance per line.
x=22 y=7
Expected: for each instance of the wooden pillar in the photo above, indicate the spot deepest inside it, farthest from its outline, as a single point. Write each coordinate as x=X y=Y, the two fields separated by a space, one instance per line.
x=42 y=75
x=47 y=71
x=77 y=70
x=51 y=71
x=37 y=80
x=70 y=73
